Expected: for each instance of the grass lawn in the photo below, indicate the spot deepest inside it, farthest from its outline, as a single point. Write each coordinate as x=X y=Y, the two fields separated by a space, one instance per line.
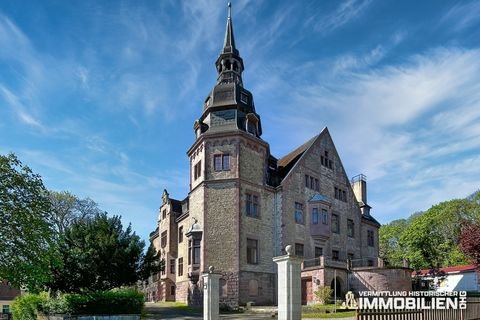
x=325 y=311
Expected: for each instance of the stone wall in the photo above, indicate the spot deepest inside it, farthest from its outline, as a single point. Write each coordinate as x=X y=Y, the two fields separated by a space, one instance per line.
x=257 y=287
x=381 y=279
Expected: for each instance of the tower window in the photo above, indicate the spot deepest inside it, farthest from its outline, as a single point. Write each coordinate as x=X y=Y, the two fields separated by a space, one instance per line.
x=180 y=267
x=324 y=216
x=221 y=162
x=252 y=205
x=172 y=266
x=315 y=216
x=299 y=213
x=164 y=239
x=350 y=228
x=335 y=223
x=370 y=238
x=244 y=98
x=252 y=251
x=197 y=170
x=180 y=234
x=299 y=249
x=194 y=251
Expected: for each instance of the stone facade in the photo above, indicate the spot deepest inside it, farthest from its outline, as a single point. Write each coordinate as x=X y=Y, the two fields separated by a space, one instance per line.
x=245 y=205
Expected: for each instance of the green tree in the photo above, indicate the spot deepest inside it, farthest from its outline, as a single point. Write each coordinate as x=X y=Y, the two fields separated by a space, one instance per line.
x=431 y=238
x=68 y=208
x=392 y=250
x=152 y=263
x=27 y=245
x=98 y=254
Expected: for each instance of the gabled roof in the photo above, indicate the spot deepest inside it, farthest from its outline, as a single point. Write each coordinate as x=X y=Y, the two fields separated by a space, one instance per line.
x=456 y=269
x=286 y=163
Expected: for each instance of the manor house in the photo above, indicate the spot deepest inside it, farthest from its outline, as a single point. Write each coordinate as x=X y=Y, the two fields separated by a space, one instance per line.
x=245 y=205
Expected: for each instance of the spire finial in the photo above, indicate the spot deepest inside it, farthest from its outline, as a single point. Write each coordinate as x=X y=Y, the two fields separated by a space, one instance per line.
x=229 y=9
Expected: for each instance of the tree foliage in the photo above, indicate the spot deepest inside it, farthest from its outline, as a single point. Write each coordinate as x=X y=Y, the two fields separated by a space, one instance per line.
x=27 y=245
x=430 y=239
x=98 y=254
x=151 y=264
x=68 y=208
x=469 y=242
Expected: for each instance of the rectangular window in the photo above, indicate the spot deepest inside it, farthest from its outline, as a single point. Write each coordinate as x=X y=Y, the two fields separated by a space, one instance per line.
x=317 y=185
x=350 y=228
x=5 y=309
x=172 y=290
x=252 y=251
x=221 y=162
x=335 y=254
x=299 y=213
x=344 y=195
x=370 y=238
x=299 y=249
x=306 y=180
x=164 y=213
x=318 y=252
x=251 y=205
x=324 y=216
x=314 y=215
x=326 y=161
x=335 y=223
x=312 y=183
x=164 y=269
x=194 y=252
x=172 y=266
x=164 y=239
x=197 y=170
x=180 y=267
x=180 y=234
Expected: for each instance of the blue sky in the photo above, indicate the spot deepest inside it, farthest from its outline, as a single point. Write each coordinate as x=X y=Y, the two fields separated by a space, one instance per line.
x=99 y=97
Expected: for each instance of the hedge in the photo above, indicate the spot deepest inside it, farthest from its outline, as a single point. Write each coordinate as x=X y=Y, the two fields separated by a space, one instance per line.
x=124 y=301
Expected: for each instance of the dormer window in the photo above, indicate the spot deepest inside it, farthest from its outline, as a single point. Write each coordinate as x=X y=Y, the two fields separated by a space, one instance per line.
x=244 y=98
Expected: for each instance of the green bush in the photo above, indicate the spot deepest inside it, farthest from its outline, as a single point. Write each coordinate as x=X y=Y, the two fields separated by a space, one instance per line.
x=25 y=307
x=125 y=301
x=323 y=294
x=56 y=305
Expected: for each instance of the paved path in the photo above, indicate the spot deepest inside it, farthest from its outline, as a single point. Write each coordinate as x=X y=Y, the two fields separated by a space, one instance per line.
x=158 y=311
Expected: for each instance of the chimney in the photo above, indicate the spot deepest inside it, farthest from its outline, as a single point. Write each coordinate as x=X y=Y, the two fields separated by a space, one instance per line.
x=359 y=186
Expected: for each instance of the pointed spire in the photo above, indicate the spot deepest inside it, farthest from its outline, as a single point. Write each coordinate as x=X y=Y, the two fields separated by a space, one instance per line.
x=229 y=43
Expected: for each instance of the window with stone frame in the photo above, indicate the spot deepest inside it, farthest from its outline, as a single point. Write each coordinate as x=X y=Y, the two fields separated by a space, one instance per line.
x=326 y=161
x=164 y=213
x=324 y=216
x=318 y=252
x=221 y=162
x=172 y=266
x=299 y=249
x=252 y=205
x=350 y=228
x=299 y=213
x=335 y=223
x=252 y=251
x=180 y=266
x=194 y=251
x=370 y=238
x=164 y=267
x=335 y=254
x=163 y=238
x=315 y=217
x=197 y=170
x=180 y=234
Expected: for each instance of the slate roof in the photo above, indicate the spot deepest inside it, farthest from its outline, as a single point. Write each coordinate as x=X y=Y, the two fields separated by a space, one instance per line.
x=286 y=163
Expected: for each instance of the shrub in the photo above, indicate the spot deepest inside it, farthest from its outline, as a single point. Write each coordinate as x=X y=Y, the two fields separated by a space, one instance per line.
x=56 y=305
x=25 y=307
x=125 y=301
x=323 y=294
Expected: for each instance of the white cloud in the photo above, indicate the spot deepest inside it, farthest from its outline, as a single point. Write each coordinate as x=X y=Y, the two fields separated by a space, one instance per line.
x=344 y=13
x=463 y=15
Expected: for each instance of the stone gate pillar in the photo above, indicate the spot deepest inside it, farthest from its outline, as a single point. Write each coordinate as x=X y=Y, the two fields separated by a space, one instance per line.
x=211 y=296
x=289 y=286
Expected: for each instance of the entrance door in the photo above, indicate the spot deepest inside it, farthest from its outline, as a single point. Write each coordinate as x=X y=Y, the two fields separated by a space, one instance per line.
x=306 y=291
